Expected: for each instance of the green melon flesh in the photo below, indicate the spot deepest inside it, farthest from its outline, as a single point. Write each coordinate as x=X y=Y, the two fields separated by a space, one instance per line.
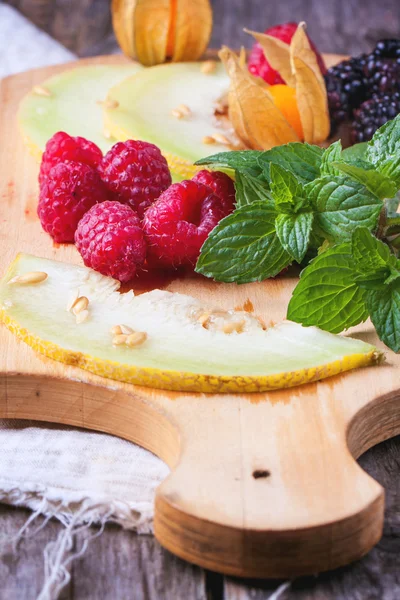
x=73 y=105
x=147 y=99
x=179 y=352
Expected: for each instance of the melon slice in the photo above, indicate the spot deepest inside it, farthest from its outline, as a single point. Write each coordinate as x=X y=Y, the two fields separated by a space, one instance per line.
x=182 y=352
x=71 y=106
x=145 y=104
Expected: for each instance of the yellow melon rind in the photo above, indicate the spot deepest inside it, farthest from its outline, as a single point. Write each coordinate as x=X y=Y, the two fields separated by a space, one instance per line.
x=188 y=382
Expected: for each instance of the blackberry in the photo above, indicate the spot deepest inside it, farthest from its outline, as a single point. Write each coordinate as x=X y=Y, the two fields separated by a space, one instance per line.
x=372 y=114
x=346 y=89
x=382 y=75
x=387 y=48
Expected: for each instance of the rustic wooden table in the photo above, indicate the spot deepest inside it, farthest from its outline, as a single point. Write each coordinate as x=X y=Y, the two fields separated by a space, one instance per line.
x=120 y=565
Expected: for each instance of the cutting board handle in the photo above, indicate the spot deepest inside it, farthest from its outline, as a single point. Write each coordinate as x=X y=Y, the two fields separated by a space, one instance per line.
x=248 y=495
x=298 y=510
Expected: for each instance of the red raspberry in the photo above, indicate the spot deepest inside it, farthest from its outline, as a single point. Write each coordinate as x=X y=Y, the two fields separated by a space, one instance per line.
x=221 y=184
x=136 y=173
x=177 y=225
x=111 y=240
x=70 y=190
x=258 y=64
x=62 y=148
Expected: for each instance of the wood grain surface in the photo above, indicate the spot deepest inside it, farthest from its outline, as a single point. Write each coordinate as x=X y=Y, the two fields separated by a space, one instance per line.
x=120 y=565
x=314 y=508
x=344 y=26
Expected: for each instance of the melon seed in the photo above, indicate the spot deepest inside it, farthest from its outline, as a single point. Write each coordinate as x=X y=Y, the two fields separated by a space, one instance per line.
x=80 y=304
x=31 y=277
x=208 y=66
x=136 y=339
x=41 y=91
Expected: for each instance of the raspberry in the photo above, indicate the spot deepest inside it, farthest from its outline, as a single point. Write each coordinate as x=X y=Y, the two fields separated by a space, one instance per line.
x=110 y=240
x=70 y=190
x=62 y=147
x=177 y=225
x=258 y=64
x=136 y=173
x=222 y=186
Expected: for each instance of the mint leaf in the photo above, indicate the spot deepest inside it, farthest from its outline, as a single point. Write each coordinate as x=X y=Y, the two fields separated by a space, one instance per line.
x=383 y=151
x=332 y=155
x=384 y=309
x=377 y=267
x=327 y=295
x=369 y=253
x=341 y=205
x=302 y=160
x=294 y=233
x=244 y=247
x=240 y=160
x=286 y=190
x=355 y=152
x=251 y=189
x=374 y=181
x=391 y=168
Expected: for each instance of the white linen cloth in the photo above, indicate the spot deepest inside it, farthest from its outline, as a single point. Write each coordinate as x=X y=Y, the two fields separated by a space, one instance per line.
x=23 y=46
x=78 y=477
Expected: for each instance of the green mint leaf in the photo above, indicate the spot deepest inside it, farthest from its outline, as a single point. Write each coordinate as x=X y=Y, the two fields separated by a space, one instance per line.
x=332 y=155
x=369 y=253
x=375 y=264
x=244 y=247
x=341 y=205
x=355 y=152
x=294 y=233
x=383 y=151
x=377 y=183
x=285 y=188
x=302 y=160
x=240 y=160
x=391 y=168
x=251 y=189
x=371 y=281
x=327 y=295
x=384 y=309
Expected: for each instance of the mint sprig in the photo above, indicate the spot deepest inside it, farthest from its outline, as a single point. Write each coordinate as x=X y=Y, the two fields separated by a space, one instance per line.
x=298 y=201
x=349 y=282
x=294 y=233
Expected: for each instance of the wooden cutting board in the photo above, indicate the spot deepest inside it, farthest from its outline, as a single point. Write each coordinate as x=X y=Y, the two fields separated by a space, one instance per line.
x=261 y=485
